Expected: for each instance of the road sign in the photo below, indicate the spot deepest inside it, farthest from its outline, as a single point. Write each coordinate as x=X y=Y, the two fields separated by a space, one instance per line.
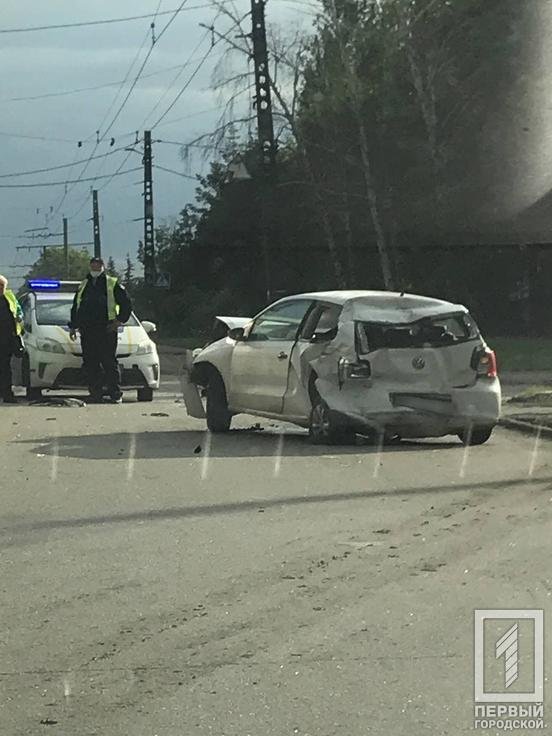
x=163 y=281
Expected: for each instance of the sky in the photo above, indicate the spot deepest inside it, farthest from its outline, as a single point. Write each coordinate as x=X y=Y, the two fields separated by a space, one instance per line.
x=44 y=132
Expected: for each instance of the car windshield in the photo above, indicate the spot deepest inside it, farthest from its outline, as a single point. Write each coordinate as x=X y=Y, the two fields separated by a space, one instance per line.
x=58 y=312
x=429 y=332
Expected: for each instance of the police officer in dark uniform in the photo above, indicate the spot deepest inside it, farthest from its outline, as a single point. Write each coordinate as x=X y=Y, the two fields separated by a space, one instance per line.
x=101 y=305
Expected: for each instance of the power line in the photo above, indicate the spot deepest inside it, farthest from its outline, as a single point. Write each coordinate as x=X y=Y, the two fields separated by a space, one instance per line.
x=37 y=137
x=121 y=106
x=135 y=82
x=125 y=100
x=78 y=90
x=60 y=166
x=63 y=183
x=174 y=79
x=173 y=171
x=80 y=24
x=185 y=87
x=107 y=114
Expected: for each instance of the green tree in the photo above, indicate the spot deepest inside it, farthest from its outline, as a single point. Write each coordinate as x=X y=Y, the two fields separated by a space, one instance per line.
x=51 y=264
x=129 y=269
x=111 y=268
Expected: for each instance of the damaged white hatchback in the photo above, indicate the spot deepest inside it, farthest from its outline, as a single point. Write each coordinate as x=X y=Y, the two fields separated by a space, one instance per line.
x=351 y=362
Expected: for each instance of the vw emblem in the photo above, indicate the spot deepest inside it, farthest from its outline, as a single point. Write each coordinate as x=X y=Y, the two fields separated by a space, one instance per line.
x=418 y=363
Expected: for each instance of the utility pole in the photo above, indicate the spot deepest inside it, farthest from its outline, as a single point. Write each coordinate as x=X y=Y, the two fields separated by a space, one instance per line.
x=149 y=234
x=265 y=127
x=96 y=222
x=65 y=248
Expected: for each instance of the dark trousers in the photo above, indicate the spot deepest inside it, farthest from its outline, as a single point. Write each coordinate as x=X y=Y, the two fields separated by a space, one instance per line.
x=5 y=369
x=99 y=359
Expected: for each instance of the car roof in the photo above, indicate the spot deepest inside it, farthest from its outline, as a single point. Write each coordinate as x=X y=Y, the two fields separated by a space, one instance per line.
x=382 y=306
x=379 y=299
x=53 y=295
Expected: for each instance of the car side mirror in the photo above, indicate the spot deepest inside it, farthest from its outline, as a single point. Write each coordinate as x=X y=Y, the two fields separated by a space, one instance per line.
x=236 y=333
x=149 y=327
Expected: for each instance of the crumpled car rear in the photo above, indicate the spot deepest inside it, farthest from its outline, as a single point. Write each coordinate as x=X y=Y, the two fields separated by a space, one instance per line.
x=414 y=379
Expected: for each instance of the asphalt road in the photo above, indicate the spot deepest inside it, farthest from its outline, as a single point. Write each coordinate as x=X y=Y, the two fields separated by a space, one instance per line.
x=154 y=582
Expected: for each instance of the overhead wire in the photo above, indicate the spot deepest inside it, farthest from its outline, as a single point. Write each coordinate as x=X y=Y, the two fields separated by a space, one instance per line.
x=62 y=183
x=101 y=137
x=136 y=79
x=185 y=87
x=175 y=79
x=105 y=21
x=13 y=174
x=92 y=88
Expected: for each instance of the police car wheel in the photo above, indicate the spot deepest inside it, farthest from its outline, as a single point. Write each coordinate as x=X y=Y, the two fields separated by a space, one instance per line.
x=145 y=394
x=218 y=415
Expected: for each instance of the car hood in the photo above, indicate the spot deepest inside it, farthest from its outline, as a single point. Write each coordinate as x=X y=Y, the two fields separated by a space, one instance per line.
x=233 y=322
x=129 y=338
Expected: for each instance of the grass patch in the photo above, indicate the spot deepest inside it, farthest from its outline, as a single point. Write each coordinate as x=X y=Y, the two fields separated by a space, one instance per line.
x=522 y=353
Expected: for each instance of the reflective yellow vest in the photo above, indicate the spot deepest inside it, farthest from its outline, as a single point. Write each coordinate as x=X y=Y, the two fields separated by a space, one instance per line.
x=15 y=309
x=112 y=306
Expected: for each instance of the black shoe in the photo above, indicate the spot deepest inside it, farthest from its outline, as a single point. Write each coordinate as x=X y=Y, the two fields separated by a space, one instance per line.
x=10 y=399
x=95 y=399
x=116 y=400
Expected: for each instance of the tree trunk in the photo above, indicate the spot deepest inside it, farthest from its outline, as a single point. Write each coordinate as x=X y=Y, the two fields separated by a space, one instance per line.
x=382 y=245
x=349 y=243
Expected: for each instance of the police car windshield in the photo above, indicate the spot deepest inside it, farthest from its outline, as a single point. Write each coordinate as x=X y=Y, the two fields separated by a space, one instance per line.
x=58 y=312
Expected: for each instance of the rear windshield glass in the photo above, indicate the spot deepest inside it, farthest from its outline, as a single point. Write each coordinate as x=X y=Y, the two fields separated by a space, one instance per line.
x=428 y=332
x=58 y=312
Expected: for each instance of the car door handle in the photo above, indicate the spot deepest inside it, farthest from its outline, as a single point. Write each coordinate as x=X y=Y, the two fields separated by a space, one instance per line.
x=282 y=355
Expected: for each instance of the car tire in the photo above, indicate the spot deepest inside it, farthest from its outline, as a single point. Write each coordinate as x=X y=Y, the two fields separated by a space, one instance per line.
x=216 y=410
x=322 y=429
x=477 y=436
x=144 y=394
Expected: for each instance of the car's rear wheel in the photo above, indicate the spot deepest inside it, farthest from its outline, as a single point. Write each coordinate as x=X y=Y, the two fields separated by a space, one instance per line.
x=475 y=436
x=144 y=394
x=323 y=430
x=216 y=410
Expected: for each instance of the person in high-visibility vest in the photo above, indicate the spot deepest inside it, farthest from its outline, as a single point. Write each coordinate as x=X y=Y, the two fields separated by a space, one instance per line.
x=101 y=305
x=11 y=325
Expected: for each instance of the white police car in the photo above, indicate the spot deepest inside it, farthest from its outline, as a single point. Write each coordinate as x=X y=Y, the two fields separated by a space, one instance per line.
x=53 y=361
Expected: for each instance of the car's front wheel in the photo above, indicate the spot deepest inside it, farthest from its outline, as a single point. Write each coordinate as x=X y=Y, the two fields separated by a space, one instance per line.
x=475 y=436
x=217 y=412
x=323 y=430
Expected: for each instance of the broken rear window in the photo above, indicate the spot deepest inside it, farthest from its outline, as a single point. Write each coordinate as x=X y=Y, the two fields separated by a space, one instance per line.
x=428 y=332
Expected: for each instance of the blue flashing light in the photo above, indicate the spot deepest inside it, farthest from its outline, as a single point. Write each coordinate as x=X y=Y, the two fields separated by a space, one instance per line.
x=43 y=284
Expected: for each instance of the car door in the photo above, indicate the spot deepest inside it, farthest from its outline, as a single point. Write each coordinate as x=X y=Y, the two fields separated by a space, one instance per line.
x=316 y=334
x=260 y=363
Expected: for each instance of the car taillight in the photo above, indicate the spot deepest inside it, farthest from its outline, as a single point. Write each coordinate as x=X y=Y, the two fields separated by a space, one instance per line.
x=484 y=362
x=350 y=369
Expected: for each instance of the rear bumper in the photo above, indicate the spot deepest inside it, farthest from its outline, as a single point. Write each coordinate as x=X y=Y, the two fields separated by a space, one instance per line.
x=415 y=415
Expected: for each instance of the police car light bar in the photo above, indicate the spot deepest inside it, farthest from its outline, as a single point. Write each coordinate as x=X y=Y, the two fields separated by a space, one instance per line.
x=43 y=284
